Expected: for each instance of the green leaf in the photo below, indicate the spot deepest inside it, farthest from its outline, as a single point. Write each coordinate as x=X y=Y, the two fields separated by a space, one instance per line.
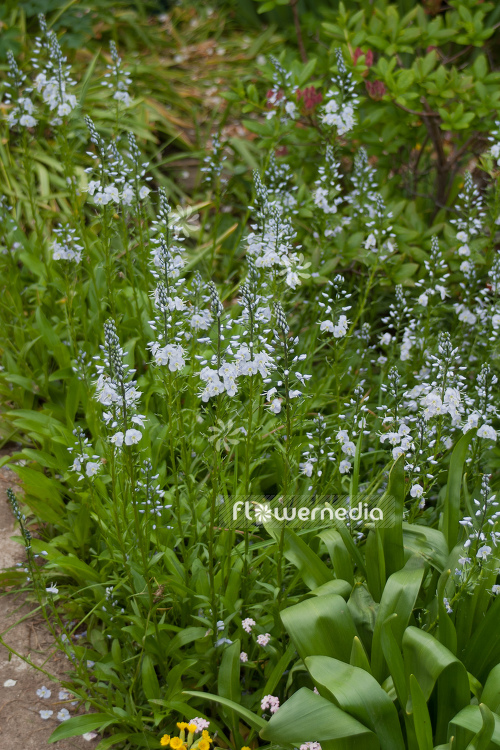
x=342 y=588
x=80 y=725
x=341 y=560
x=188 y=635
x=307 y=715
x=483 y=649
x=312 y=569
x=253 y=721
x=491 y=691
x=360 y=695
x=394 y=659
x=451 y=516
x=229 y=680
x=471 y=718
x=322 y=625
x=421 y=718
x=393 y=537
x=429 y=543
x=483 y=737
x=430 y=662
x=399 y=597
x=150 y=683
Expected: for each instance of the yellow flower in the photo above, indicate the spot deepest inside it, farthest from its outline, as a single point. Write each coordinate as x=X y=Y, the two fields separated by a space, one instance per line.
x=182 y=724
x=165 y=740
x=176 y=743
x=206 y=735
x=192 y=728
x=203 y=745
x=245 y=748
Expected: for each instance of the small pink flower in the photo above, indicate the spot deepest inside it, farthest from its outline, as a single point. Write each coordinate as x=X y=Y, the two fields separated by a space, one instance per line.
x=270 y=702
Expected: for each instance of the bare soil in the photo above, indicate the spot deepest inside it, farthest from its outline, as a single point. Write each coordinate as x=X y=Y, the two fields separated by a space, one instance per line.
x=21 y=727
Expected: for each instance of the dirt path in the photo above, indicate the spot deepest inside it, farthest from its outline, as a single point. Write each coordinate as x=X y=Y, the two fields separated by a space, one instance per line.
x=21 y=726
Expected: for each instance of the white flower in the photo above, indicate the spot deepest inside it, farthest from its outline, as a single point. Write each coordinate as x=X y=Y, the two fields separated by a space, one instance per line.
x=132 y=437
x=495 y=589
x=423 y=300
x=447 y=605
x=201 y=724
x=117 y=439
x=327 y=325
x=44 y=714
x=386 y=339
x=27 y=121
x=144 y=192
x=63 y=714
x=123 y=97
x=263 y=639
x=244 y=655
x=127 y=195
x=271 y=702
x=345 y=466
x=248 y=624
x=486 y=431
x=112 y=192
x=52 y=590
x=483 y=552
x=417 y=490
x=370 y=242
x=91 y=468
x=342 y=436
x=349 y=448
x=43 y=692
x=307 y=468
x=472 y=422
x=275 y=407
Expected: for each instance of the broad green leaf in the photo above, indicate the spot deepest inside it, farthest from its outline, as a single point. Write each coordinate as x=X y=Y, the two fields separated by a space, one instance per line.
x=471 y=718
x=491 y=691
x=342 y=588
x=229 y=680
x=80 y=725
x=430 y=662
x=341 y=560
x=394 y=659
x=150 y=683
x=322 y=625
x=375 y=564
x=451 y=515
x=483 y=737
x=393 y=536
x=421 y=718
x=483 y=650
x=360 y=695
x=399 y=597
x=429 y=543
x=307 y=715
x=358 y=656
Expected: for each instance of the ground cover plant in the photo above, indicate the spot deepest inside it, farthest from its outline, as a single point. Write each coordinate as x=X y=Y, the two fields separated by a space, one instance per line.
x=316 y=316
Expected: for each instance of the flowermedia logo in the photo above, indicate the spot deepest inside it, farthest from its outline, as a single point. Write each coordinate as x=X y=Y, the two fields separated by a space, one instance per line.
x=307 y=512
